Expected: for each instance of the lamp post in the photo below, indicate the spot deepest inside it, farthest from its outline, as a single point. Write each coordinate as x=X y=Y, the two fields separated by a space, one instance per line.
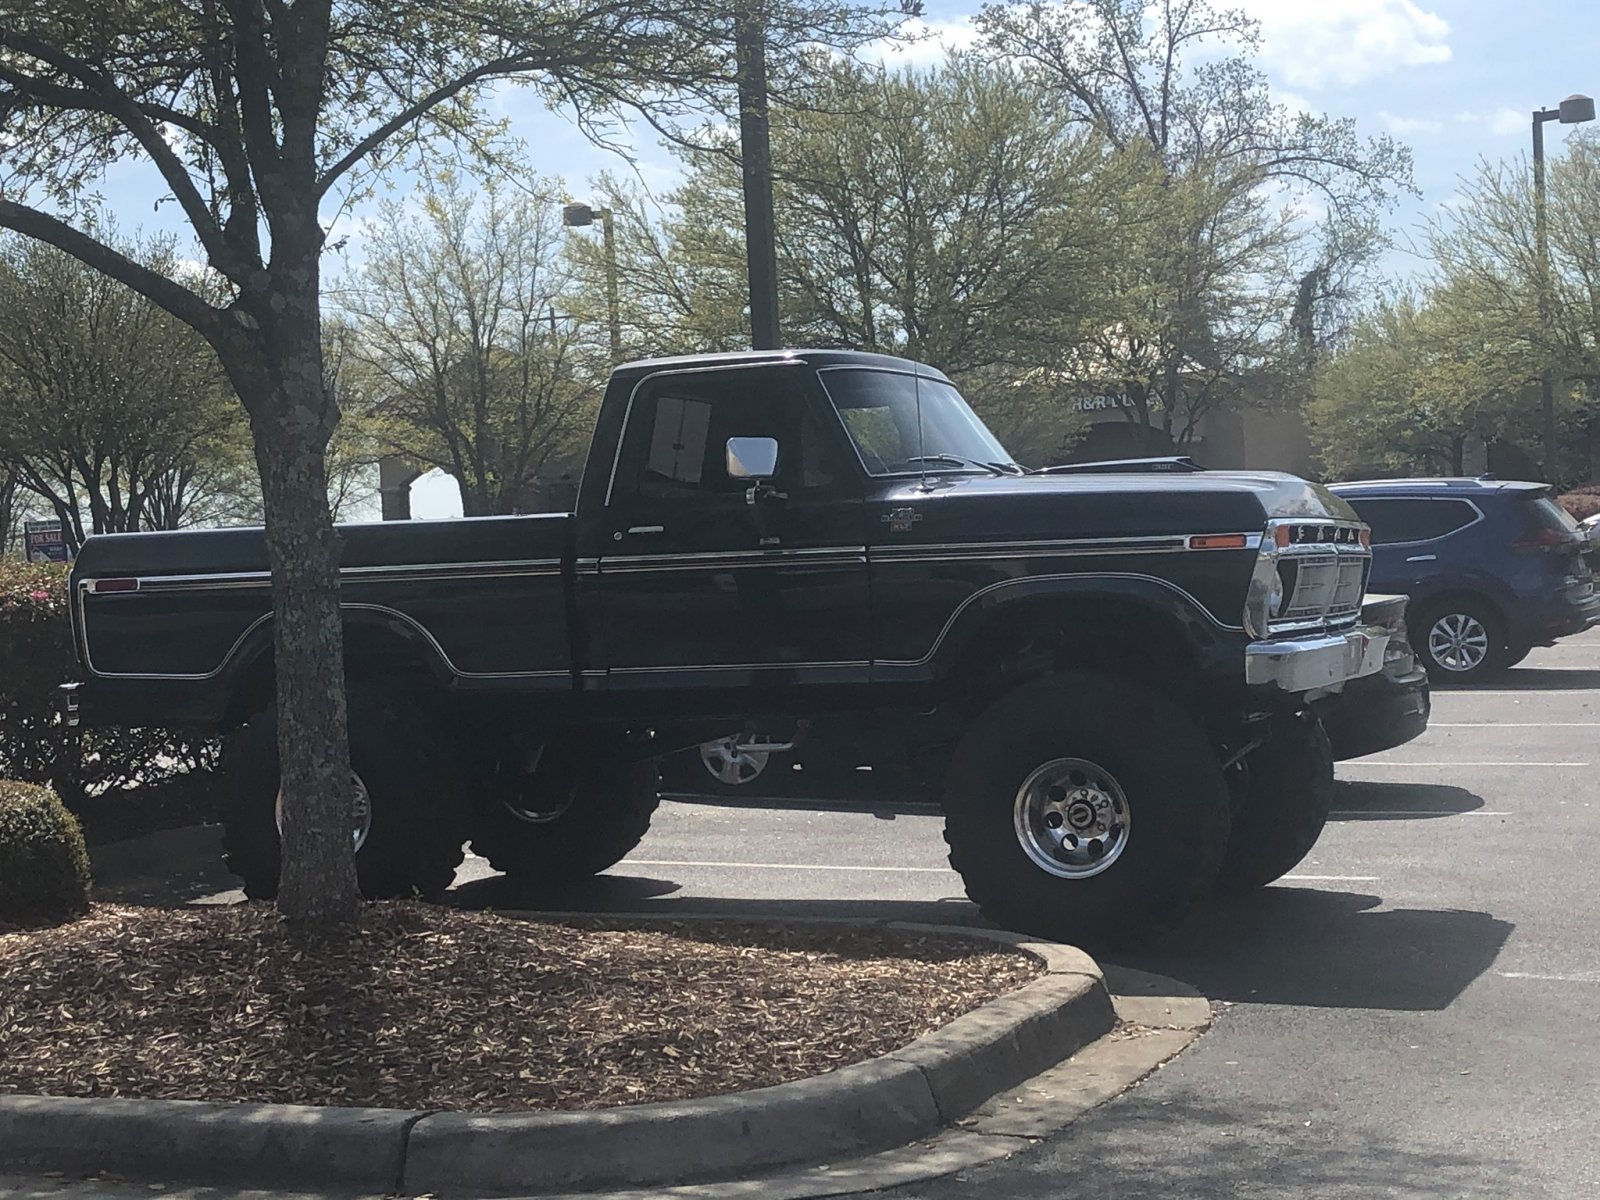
x=1574 y=110
x=578 y=216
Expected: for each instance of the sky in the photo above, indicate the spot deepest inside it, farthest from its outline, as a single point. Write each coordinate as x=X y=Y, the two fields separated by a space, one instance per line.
x=1454 y=79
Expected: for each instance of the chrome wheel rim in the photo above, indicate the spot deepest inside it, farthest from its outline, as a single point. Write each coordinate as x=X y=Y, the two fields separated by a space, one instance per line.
x=1072 y=818
x=360 y=812
x=539 y=816
x=1458 y=642
x=727 y=764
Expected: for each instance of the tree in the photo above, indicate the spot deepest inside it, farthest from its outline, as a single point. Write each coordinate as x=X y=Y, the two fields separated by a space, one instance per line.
x=1486 y=244
x=112 y=412
x=470 y=367
x=256 y=113
x=1222 y=263
x=1420 y=378
x=949 y=215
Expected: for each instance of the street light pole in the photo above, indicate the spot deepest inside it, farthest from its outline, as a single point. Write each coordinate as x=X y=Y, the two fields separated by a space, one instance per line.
x=755 y=153
x=577 y=216
x=1573 y=110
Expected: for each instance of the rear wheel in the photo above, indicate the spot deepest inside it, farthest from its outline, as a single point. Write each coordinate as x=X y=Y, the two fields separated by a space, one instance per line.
x=1284 y=796
x=1460 y=641
x=404 y=800
x=573 y=816
x=1085 y=808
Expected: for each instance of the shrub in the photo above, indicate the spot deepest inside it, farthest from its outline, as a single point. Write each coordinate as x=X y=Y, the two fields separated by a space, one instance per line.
x=36 y=657
x=44 y=867
x=1580 y=504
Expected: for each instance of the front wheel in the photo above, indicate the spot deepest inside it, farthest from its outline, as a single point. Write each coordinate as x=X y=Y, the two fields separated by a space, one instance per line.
x=1460 y=642
x=1085 y=808
x=1285 y=793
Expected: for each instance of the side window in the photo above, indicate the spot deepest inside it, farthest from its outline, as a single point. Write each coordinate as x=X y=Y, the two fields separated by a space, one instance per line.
x=1413 y=520
x=680 y=426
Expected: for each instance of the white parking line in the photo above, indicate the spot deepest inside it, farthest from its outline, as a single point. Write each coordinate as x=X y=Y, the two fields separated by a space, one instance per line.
x=1579 y=977
x=1347 y=813
x=1330 y=878
x=1437 y=765
x=760 y=866
x=1489 y=725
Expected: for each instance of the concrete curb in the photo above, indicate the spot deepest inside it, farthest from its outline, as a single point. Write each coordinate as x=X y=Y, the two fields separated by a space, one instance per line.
x=906 y=1096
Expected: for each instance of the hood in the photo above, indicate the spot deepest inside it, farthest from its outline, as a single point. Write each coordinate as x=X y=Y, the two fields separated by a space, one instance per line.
x=1110 y=505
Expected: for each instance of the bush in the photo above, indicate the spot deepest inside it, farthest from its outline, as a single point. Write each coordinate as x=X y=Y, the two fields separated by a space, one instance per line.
x=1581 y=505
x=44 y=867
x=36 y=657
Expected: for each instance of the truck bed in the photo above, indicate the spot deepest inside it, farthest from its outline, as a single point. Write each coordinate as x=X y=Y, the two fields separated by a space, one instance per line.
x=484 y=596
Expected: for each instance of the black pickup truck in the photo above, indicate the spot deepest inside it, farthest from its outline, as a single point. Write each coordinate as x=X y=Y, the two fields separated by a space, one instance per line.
x=1120 y=669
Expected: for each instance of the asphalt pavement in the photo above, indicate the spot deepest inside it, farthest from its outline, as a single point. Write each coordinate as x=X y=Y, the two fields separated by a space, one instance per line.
x=1411 y=1013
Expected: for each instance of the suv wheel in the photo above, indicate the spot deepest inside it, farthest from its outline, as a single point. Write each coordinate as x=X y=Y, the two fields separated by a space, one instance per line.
x=1460 y=641
x=1086 y=808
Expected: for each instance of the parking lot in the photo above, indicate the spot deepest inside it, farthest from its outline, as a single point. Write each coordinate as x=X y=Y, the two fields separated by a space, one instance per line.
x=1411 y=1013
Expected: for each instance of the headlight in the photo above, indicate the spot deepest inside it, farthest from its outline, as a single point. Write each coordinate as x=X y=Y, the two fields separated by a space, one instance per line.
x=1264 y=598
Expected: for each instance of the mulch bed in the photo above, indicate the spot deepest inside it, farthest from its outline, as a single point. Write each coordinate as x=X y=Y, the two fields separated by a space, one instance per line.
x=431 y=1008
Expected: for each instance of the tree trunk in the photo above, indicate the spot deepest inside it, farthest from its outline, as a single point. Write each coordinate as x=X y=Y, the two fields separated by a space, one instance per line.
x=292 y=418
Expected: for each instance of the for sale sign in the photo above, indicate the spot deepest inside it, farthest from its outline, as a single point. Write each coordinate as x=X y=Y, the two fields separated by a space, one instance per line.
x=45 y=541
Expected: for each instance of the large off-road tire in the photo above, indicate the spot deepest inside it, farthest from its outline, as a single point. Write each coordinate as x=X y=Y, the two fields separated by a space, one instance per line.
x=1283 y=796
x=1460 y=640
x=405 y=769
x=1085 y=808
x=574 y=817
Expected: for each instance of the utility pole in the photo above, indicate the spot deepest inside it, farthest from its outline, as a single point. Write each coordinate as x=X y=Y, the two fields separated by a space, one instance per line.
x=755 y=153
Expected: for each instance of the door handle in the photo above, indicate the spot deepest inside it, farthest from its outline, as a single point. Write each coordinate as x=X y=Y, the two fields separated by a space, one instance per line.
x=1423 y=558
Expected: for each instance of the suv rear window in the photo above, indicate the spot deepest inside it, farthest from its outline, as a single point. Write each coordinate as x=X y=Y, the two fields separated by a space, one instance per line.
x=1413 y=519
x=1550 y=515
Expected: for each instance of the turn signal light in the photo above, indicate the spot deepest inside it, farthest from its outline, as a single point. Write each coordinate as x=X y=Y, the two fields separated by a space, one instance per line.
x=102 y=586
x=1219 y=541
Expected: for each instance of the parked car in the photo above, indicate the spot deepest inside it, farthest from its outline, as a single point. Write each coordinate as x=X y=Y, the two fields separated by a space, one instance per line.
x=791 y=535
x=1385 y=710
x=1493 y=568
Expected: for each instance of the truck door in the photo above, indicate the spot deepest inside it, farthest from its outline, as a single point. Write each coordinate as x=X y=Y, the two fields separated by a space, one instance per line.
x=704 y=584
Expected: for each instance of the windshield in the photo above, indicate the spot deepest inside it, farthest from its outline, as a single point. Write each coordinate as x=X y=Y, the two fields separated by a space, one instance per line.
x=880 y=410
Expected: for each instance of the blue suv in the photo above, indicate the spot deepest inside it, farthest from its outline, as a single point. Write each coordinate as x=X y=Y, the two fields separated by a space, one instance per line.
x=1493 y=568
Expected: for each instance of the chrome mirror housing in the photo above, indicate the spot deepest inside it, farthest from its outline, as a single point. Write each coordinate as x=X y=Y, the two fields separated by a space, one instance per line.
x=752 y=458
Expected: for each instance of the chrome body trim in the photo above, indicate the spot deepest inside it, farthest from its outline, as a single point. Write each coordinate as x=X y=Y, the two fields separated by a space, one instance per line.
x=1024 y=579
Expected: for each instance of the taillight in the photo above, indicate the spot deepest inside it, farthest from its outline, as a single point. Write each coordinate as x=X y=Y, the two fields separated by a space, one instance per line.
x=1544 y=539
x=101 y=587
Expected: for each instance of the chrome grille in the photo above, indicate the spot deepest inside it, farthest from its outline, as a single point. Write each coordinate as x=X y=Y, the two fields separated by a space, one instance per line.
x=1324 y=570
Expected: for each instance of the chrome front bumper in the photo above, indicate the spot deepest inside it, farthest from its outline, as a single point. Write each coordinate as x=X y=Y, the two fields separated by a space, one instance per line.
x=1312 y=664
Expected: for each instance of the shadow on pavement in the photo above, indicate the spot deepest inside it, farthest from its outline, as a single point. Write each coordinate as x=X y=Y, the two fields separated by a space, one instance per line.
x=175 y=866
x=1156 y=1142
x=1353 y=801
x=1326 y=949
x=1538 y=679
x=603 y=893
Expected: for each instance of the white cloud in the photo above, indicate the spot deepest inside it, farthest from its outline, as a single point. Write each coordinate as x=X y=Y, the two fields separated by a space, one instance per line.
x=1503 y=122
x=1312 y=44
x=1409 y=125
x=931 y=40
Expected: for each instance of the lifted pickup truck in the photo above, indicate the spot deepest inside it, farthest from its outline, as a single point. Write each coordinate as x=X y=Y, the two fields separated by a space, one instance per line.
x=1120 y=668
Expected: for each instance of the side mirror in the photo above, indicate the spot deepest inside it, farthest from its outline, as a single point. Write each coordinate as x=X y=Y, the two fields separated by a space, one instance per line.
x=752 y=458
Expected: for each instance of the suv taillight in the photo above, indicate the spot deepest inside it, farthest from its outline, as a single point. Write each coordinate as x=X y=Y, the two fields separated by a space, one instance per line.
x=1544 y=539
